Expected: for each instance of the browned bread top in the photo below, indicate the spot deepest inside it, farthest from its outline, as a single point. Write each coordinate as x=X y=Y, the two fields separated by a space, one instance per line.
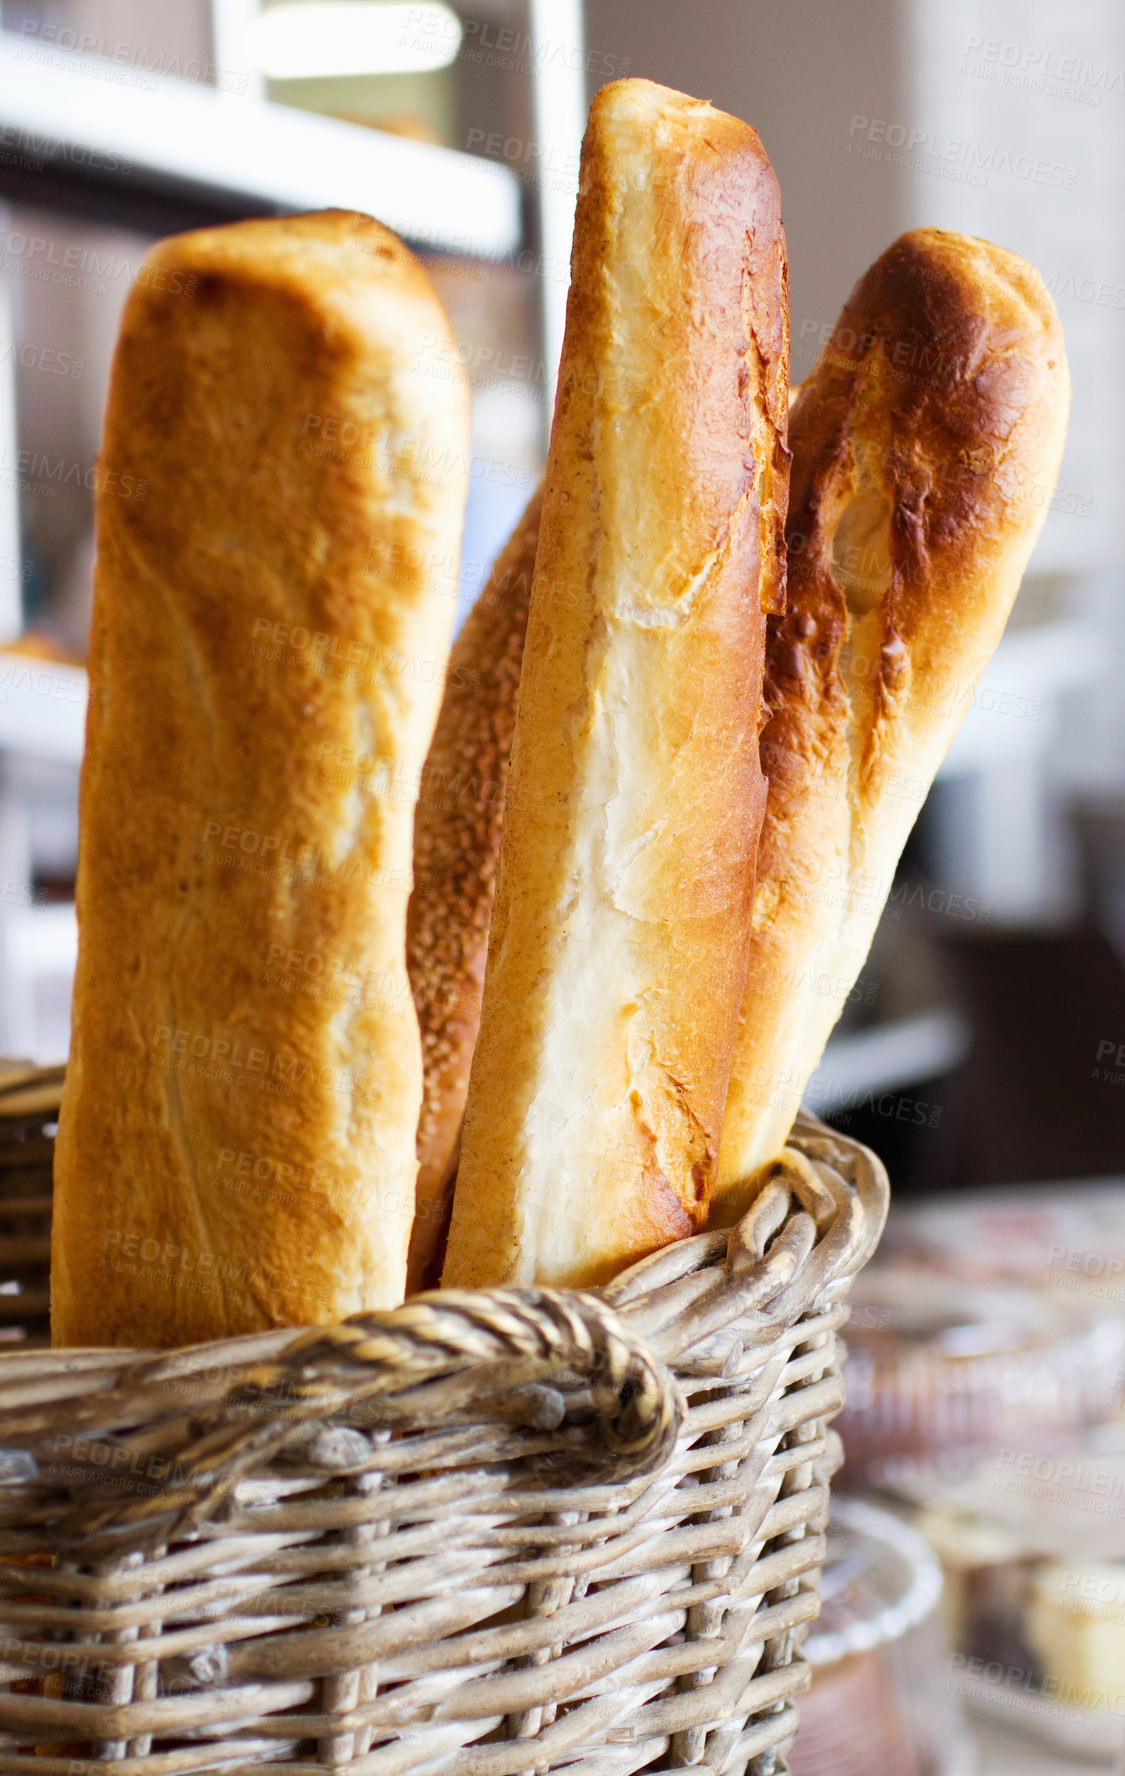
x=618 y=938
x=926 y=430
x=236 y=1145
x=926 y=443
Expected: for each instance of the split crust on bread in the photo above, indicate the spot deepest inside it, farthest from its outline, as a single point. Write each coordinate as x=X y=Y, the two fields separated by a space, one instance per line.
x=617 y=952
x=926 y=444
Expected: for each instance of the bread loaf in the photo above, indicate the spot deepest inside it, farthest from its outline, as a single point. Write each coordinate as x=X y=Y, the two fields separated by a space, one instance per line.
x=270 y=630
x=456 y=845
x=926 y=444
x=617 y=950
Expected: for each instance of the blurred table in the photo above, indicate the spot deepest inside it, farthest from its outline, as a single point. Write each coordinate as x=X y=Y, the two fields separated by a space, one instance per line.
x=1005 y=1754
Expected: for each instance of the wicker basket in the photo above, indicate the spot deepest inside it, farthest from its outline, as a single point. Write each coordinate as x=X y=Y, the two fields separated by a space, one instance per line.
x=484 y=1534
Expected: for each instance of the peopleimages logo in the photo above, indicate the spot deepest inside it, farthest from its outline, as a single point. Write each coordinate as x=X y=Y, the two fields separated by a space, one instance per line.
x=267 y=1177
x=266 y=1168
x=1086 y=289
x=929 y=151
x=137 y=57
x=44 y=681
x=41 y=357
x=1109 y=1067
x=47 y=474
x=271 y=853
x=68 y=262
x=339 y=438
x=1038 y=70
x=1044 y=1694
x=248 y=1065
x=24 y=144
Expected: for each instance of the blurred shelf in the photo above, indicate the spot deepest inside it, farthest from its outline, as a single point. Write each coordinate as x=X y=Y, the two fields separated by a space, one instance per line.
x=884 y=1058
x=42 y=708
x=71 y=120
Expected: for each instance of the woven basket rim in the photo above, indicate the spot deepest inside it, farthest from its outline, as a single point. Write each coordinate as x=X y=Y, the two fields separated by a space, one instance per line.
x=29 y=1093
x=812 y=1225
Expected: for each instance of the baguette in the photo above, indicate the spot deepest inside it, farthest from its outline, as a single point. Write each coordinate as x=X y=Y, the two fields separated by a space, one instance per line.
x=236 y=1140
x=456 y=844
x=926 y=444
x=617 y=950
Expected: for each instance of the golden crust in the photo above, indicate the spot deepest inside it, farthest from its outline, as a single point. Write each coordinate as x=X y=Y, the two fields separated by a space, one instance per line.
x=456 y=845
x=616 y=957
x=926 y=444
x=236 y=1145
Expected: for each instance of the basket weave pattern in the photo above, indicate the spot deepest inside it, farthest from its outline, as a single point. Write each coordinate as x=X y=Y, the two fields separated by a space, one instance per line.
x=486 y=1534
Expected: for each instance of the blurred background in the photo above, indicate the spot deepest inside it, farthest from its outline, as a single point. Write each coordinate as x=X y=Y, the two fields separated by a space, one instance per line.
x=983 y=1051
